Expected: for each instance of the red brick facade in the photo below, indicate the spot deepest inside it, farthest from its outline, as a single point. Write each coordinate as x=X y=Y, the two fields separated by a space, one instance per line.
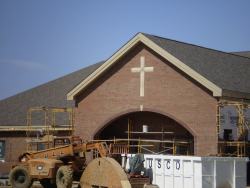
x=14 y=146
x=167 y=91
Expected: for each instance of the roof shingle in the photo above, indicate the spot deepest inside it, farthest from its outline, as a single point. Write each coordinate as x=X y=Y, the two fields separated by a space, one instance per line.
x=53 y=94
x=228 y=71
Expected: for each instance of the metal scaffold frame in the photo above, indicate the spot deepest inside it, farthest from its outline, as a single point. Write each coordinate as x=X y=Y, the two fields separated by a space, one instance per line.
x=240 y=146
x=49 y=126
x=145 y=144
x=120 y=146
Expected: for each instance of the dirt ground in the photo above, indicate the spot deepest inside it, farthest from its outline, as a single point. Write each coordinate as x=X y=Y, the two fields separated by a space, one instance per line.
x=36 y=184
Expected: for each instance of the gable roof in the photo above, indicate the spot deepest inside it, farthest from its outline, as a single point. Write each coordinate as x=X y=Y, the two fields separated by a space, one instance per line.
x=224 y=74
x=13 y=110
x=228 y=71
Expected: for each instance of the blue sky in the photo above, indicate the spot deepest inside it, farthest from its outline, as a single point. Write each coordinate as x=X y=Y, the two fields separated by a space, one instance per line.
x=41 y=40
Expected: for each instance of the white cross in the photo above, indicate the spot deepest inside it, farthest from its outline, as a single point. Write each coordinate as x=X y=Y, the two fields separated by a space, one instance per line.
x=142 y=69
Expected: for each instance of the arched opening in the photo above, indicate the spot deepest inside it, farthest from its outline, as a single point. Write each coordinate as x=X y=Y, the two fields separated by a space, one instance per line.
x=148 y=132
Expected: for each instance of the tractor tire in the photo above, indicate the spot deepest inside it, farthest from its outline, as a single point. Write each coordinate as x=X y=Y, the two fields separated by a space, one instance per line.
x=64 y=177
x=20 y=178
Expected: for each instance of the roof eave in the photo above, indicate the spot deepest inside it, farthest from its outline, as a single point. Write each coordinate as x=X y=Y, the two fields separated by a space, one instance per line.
x=107 y=64
x=217 y=91
x=235 y=94
x=22 y=128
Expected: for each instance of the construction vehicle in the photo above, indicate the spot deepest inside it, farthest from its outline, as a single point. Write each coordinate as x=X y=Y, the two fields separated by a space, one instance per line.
x=58 y=161
x=59 y=165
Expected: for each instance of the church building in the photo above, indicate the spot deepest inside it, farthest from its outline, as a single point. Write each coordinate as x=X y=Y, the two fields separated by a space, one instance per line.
x=166 y=96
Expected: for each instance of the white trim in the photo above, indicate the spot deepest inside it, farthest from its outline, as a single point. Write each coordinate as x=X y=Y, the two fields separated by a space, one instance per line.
x=33 y=128
x=104 y=66
x=217 y=91
x=141 y=107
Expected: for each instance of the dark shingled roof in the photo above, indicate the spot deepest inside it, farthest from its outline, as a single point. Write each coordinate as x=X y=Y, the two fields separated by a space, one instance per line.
x=228 y=71
x=244 y=54
x=53 y=94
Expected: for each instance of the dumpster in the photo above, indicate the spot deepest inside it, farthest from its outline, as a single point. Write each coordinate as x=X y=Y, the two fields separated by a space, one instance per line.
x=195 y=172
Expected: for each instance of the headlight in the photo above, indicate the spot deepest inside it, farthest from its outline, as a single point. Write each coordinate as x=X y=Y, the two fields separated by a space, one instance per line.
x=23 y=159
x=39 y=167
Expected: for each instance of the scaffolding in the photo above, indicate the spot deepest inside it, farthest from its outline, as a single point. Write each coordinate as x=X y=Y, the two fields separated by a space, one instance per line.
x=120 y=146
x=241 y=146
x=233 y=148
x=44 y=133
x=170 y=146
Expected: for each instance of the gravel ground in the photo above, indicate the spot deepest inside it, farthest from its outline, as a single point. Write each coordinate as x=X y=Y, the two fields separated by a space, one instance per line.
x=36 y=184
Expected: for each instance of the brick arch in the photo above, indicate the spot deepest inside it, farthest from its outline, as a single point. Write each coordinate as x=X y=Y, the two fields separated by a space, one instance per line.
x=129 y=111
x=119 y=115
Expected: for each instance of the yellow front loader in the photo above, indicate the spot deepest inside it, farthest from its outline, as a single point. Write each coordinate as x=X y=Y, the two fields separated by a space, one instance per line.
x=54 y=167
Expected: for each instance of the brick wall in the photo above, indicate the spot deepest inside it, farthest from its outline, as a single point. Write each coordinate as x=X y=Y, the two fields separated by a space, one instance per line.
x=167 y=91
x=14 y=146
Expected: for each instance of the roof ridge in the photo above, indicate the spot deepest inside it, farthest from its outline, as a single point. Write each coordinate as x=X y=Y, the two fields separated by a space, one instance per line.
x=232 y=53
x=199 y=46
x=239 y=53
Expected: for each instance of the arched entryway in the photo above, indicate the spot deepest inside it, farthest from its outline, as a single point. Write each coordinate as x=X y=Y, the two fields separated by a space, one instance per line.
x=164 y=134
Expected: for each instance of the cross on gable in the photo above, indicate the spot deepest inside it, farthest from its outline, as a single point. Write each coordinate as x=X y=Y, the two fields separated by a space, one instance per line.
x=142 y=70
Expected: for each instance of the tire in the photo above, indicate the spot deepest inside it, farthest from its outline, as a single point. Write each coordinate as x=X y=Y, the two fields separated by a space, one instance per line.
x=64 y=177
x=20 y=178
x=46 y=183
